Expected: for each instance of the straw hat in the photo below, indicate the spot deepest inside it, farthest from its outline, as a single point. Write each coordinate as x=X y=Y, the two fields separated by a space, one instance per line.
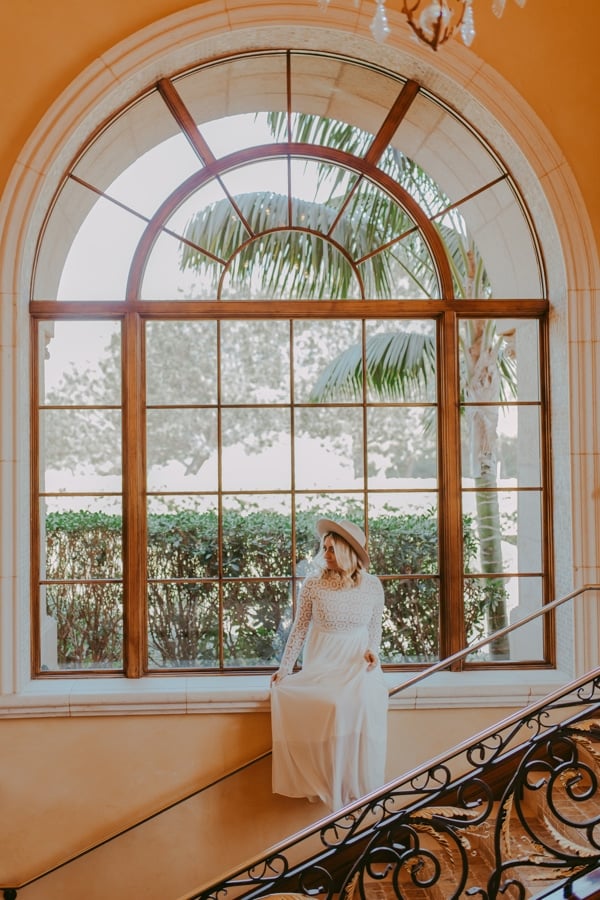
x=351 y=533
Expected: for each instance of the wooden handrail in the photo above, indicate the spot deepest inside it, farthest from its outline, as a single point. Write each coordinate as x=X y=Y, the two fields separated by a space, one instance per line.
x=461 y=654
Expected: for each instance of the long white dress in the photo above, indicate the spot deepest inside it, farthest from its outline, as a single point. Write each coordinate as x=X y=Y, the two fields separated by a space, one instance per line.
x=329 y=720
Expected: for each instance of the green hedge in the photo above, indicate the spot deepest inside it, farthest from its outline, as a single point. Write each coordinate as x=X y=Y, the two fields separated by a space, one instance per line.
x=183 y=608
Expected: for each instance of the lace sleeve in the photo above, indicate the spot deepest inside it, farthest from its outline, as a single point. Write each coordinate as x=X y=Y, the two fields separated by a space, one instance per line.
x=299 y=630
x=376 y=618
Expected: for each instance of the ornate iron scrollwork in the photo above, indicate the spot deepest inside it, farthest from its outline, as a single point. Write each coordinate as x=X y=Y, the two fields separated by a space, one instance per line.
x=458 y=828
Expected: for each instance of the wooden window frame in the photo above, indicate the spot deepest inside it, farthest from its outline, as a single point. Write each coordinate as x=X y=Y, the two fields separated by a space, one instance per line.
x=133 y=312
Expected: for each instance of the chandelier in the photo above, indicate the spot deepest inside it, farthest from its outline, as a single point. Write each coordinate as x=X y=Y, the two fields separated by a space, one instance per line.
x=432 y=21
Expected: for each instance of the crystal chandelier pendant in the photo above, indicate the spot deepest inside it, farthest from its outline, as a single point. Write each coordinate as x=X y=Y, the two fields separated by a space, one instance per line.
x=467 y=27
x=431 y=20
x=379 y=26
x=435 y=18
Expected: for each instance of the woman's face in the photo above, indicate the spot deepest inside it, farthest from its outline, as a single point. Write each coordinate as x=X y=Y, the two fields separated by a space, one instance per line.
x=329 y=554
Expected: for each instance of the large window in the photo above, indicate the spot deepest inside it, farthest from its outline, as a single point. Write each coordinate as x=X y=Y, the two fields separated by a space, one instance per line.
x=280 y=286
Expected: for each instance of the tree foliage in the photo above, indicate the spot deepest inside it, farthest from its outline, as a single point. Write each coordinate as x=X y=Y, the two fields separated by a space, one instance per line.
x=185 y=557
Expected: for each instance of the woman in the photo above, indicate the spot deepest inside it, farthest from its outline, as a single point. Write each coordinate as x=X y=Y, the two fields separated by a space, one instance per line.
x=329 y=720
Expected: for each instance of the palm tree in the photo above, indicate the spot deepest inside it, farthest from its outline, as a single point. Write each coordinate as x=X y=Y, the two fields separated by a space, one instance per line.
x=299 y=262
x=395 y=363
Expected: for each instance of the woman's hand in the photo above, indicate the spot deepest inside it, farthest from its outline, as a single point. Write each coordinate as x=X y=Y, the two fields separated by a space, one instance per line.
x=371 y=659
x=277 y=676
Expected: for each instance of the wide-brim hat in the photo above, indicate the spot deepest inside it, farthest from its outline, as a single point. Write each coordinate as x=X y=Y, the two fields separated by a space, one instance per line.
x=351 y=533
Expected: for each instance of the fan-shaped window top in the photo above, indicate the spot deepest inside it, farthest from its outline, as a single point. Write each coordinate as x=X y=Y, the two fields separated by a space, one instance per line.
x=287 y=175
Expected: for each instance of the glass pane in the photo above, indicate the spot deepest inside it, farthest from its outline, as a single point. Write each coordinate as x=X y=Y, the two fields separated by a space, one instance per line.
x=87 y=248
x=256 y=542
x=493 y=603
x=329 y=448
x=83 y=538
x=502 y=234
x=499 y=360
x=260 y=190
x=403 y=538
x=81 y=626
x=401 y=361
x=235 y=86
x=79 y=363
x=414 y=180
x=258 y=455
x=255 y=362
x=192 y=217
x=80 y=450
x=256 y=618
x=145 y=185
x=401 y=446
x=327 y=132
x=319 y=190
x=183 y=537
x=494 y=218
x=327 y=361
x=470 y=277
x=424 y=136
x=371 y=219
x=404 y=271
x=410 y=632
x=318 y=271
x=231 y=133
x=181 y=449
x=183 y=625
x=194 y=378
x=341 y=90
x=503 y=531
x=166 y=278
x=501 y=446
x=141 y=157
x=184 y=264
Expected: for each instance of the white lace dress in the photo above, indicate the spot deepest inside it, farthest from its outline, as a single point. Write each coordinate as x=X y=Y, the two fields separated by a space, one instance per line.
x=329 y=720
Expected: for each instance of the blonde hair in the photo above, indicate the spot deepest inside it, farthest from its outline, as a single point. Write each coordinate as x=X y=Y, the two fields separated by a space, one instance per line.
x=346 y=558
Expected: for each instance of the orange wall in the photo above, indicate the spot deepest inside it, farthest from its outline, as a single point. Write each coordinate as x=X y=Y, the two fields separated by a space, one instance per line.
x=70 y=782
x=549 y=56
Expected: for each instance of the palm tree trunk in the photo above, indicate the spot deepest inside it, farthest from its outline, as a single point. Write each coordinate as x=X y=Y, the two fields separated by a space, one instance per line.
x=488 y=529
x=482 y=386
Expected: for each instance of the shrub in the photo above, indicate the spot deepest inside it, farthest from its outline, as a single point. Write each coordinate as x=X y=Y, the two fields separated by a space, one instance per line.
x=185 y=615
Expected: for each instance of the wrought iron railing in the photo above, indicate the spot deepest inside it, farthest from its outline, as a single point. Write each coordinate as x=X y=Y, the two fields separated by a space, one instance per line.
x=499 y=815
x=450 y=826
x=434 y=827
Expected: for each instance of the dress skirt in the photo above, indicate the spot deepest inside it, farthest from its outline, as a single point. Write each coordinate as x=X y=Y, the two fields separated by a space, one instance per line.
x=329 y=721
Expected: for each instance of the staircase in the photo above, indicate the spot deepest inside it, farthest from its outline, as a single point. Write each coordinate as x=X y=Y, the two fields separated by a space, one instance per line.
x=513 y=813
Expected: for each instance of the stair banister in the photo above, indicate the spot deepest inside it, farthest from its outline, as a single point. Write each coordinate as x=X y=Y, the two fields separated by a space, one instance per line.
x=477 y=645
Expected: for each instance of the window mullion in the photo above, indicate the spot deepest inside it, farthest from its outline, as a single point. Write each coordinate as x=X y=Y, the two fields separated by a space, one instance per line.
x=547 y=495
x=134 y=512
x=452 y=632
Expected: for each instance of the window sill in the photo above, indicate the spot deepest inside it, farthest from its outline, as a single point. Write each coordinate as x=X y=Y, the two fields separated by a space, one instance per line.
x=250 y=693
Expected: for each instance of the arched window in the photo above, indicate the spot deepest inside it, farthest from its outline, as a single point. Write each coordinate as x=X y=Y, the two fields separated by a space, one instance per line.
x=282 y=285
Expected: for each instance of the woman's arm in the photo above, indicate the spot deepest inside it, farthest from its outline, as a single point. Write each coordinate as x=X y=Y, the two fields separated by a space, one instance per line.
x=375 y=623
x=298 y=633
